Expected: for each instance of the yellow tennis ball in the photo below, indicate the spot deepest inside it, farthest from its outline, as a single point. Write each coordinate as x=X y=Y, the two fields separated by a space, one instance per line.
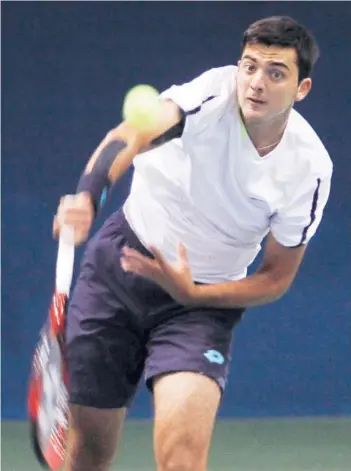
x=141 y=107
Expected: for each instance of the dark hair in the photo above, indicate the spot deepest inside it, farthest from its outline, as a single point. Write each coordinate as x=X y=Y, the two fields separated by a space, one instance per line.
x=285 y=32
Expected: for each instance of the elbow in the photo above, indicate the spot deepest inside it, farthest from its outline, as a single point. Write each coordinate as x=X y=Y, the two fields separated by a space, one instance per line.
x=280 y=288
x=129 y=134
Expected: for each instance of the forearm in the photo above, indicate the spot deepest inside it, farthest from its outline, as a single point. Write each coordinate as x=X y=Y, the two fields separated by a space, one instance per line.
x=259 y=288
x=116 y=152
x=118 y=161
x=137 y=141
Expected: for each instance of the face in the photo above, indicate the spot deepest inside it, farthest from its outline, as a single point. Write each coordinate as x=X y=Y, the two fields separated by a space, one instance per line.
x=267 y=83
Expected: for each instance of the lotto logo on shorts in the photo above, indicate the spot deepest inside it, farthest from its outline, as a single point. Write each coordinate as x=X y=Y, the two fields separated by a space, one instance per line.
x=213 y=356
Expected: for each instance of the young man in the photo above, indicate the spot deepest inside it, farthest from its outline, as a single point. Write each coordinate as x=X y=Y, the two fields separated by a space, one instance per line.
x=163 y=282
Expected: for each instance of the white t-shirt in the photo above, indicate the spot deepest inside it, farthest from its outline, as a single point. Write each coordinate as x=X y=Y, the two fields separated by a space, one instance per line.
x=212 y=191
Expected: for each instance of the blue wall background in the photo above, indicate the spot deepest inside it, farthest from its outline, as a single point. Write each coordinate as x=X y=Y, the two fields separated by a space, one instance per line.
x=65 y=69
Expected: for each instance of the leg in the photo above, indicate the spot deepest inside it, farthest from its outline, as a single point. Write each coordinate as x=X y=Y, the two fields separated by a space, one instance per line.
x=186 y=404
x=105 y=363
x=105 y=356
x=93 y=438
x=187 y=366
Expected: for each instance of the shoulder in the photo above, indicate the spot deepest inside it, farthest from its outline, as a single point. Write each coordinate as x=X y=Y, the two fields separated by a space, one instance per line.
x=220 y=82
x=220 y=77
x=307 y=146
x=211 y=85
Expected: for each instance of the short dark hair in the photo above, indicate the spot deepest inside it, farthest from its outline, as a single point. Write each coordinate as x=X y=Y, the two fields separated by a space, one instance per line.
x=285 y=32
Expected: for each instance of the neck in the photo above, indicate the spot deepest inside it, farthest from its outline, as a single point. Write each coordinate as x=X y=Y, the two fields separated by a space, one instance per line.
x=265 y=136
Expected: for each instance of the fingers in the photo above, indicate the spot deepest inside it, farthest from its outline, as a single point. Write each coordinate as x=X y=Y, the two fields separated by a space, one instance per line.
x=56 y=224
x=76 y=211
x=173 y=277
x=135 y=262
x=74 y=216
x=55 y=228
x=135 y=257
x=138 y=261
x=182 y=253
x=159 y=257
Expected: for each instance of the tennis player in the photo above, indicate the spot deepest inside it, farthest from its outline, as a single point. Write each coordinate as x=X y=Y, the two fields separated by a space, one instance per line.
x=164 y=281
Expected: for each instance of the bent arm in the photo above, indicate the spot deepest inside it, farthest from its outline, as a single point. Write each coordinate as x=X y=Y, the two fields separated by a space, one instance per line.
x=272 y=279
x=135 y=142
x=116 y=152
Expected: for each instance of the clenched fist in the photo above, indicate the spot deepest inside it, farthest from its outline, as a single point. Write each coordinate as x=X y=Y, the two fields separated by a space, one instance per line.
x=76 y=211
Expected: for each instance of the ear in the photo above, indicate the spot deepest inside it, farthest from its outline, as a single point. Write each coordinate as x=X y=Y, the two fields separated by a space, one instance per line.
x=303 y=89
x=239 y=62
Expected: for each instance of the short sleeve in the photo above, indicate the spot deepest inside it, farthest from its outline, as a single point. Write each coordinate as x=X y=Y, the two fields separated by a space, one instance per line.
x=202 y=99
x=298 y=222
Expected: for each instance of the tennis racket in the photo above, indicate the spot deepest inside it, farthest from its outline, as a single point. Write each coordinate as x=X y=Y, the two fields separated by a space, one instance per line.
x=47 y=395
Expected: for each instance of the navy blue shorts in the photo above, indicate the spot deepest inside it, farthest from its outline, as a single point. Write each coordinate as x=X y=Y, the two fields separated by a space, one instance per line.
x=120 y=325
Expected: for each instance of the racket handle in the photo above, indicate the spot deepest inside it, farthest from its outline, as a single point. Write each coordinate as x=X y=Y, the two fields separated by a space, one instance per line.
x=65 y=260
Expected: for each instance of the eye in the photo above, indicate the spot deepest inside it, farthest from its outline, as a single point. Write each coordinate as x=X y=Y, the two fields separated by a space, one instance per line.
x=276 y=74
x=250 y=67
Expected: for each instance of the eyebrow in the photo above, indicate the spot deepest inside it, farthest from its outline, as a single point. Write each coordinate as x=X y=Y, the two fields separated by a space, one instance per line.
x=274 y=63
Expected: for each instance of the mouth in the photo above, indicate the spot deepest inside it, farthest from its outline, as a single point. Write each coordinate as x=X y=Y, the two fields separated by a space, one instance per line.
x=256 y=101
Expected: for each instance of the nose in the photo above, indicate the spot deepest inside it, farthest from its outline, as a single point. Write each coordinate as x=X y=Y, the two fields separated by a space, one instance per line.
x=257 y=82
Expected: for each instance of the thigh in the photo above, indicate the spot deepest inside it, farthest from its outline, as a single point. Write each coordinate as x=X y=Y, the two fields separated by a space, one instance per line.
x=197 y=341
x=186 y=405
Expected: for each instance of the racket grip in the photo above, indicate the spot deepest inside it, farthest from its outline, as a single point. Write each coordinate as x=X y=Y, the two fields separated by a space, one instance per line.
x=65 y=260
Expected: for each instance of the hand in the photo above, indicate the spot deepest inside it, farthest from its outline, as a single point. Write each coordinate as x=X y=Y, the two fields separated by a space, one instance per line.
x=76 y=211
x=175 y=278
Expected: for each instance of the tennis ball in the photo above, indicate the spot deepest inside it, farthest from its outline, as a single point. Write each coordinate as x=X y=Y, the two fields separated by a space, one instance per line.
x=141 y=107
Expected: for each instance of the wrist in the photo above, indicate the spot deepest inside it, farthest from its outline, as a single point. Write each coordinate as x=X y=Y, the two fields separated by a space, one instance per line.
x=197 y=294
x=95 y=186
x=96 y=182
x=85 y=195
x=221 y=295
